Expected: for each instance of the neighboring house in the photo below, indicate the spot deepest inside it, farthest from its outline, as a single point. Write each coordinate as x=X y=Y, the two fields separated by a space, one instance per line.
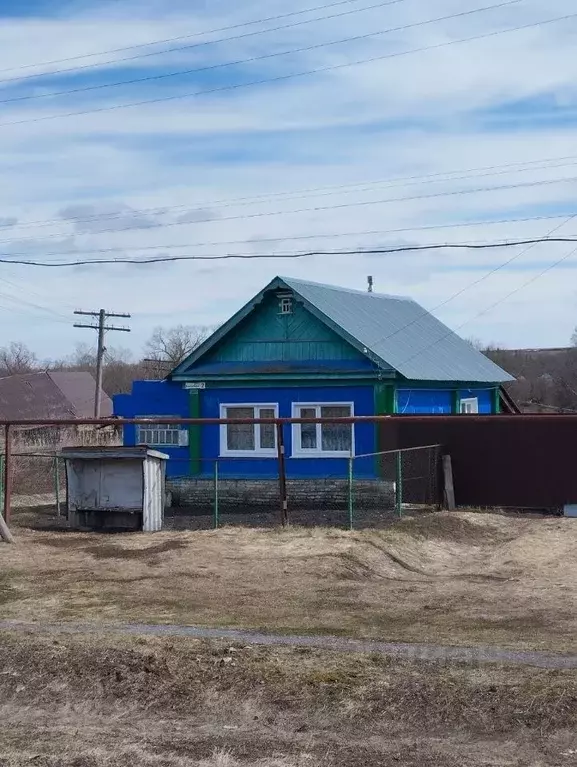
x=307 y=350
x=50 y=394
x=53 y=395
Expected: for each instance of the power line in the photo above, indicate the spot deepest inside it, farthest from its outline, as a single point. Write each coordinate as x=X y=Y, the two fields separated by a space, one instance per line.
x=283 y=78
x=29 y=291
x=344 y=188
x=532 y=243
x=315 y=209
x=26 y=309
x=363 y=186
x=521 y=287
x=321 y=235
x=189 y=47
x=26 y=303
x=169 y=40
x=262 y=57
x=501 y=300
x=546 y=163
x=295 y=255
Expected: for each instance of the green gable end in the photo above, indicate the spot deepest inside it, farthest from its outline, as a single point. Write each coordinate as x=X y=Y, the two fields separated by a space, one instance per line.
x=268 y=336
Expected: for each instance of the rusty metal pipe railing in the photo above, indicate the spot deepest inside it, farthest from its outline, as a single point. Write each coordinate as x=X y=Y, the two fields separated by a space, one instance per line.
x=22 y=423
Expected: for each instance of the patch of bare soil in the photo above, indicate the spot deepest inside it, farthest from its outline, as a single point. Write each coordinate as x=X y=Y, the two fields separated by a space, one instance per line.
x=447 y=578
x=97 y=701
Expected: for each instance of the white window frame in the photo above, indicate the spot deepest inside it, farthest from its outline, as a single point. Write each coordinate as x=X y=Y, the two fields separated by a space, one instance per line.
x=285 y=305
x=159 y=426
x=318 y=452
x=469 y=406
x=258 y=452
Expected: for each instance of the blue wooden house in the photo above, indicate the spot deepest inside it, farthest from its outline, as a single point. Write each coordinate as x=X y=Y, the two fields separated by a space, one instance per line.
x=305 y=350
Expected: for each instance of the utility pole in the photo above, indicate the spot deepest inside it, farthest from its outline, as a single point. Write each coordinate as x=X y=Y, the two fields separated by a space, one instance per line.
x=102 y=327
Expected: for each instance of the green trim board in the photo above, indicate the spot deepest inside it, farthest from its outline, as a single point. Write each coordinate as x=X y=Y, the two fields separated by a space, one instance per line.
x=497 y=400
x=405 y=383
x=280 y=382
x=194 y=435
x=456 y=402
x=385 y=397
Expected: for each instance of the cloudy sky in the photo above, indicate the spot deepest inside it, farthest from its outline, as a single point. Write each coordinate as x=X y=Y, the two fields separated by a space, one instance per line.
x=142 y=129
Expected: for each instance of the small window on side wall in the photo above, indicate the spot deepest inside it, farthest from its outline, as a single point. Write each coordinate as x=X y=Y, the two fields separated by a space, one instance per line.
x=470 y=405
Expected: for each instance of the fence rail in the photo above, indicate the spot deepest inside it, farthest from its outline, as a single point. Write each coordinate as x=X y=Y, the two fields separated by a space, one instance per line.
x=523 y=461
x=209 y=492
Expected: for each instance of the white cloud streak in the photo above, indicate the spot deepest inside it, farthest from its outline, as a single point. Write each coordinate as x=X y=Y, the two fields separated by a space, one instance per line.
x=500 y=100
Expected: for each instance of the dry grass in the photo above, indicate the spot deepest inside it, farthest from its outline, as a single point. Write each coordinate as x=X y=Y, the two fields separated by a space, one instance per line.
x=114 y=702
x=461 y=578
x=100 y=700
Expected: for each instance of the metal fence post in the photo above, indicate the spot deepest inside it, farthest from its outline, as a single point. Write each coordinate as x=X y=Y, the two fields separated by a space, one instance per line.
x=282 y=474
x=351 y=501
x=216 y=499
x=399 y=483
x=7 y=473
x=57 y=483
x=2 y=480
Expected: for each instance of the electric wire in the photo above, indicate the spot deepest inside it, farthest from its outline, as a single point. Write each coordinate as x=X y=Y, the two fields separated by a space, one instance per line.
x=169 y=40
x=315 y=209
x=261 y=57
x=282 y=78
x=293 y=255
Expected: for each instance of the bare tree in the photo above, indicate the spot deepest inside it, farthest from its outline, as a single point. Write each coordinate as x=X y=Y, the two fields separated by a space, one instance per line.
x=171 y=346
x=119 y=369
x=17 y=358
x=483 y=346
x=82 y=358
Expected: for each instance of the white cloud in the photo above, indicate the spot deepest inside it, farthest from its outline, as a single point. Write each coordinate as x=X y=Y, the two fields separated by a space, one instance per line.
x=457 y=107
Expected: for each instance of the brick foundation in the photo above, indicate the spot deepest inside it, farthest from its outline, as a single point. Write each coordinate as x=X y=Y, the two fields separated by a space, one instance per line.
x=263 y=494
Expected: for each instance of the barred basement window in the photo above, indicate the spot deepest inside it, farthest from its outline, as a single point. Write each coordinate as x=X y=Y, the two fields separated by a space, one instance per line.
x=161 y=435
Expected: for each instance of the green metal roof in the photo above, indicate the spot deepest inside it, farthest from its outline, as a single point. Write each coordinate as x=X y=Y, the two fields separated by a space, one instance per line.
x=394 y=331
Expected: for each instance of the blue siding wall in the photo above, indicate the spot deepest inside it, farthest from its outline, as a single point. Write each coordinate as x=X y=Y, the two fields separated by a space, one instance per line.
x=167 y=398
x=485 y=397
x=156 y=398
x=439 y=401
x=361 y=396
x=424 y=401
x=150 y=398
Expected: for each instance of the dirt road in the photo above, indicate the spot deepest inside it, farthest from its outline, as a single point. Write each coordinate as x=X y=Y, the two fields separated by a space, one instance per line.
x=430 y=652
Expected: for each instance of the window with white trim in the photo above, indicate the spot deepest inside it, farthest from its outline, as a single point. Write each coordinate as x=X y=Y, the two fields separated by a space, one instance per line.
x=324 y=440
x=161 y=434
x=285 y=305
x=470 y=405
x=248 y=439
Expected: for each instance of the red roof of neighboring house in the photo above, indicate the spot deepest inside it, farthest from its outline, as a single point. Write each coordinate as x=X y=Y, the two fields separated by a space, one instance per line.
x=50 y=395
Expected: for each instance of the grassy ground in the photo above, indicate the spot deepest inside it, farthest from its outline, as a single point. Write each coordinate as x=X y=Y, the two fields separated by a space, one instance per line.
x=114 y=702
x=101 y=700
x=463 y=578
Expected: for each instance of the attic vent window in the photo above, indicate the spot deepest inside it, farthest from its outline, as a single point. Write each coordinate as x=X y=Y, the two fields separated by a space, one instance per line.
x=285 y=305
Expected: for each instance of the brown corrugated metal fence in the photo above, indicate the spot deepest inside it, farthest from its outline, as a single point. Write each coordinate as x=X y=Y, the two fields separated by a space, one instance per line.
x=499 y=461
